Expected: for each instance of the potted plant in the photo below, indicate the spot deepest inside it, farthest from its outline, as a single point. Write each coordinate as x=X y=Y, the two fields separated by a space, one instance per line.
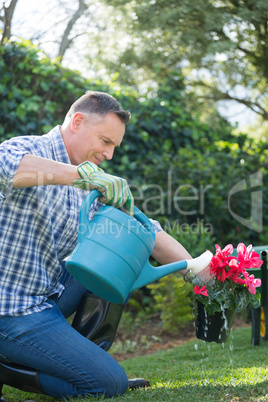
x=230 y=288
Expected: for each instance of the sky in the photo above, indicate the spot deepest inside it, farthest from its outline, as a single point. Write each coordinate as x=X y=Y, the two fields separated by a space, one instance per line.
x=31 y=16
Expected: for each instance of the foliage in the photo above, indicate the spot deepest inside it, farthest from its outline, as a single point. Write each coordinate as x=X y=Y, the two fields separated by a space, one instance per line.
x=180 y=169
x=222 y=46
x=195 y=188
x=232 y=287
x=169 y=300
x=168 y=294
x=162 y=124
x=35 y=92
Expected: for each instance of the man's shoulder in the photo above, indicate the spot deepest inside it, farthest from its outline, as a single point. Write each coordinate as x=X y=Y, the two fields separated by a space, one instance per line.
x=50 y=145
x=31 y=142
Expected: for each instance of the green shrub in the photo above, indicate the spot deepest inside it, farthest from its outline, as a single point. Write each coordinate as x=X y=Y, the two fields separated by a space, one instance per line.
x=168 y=294
x=35 y=92
x=169 y=301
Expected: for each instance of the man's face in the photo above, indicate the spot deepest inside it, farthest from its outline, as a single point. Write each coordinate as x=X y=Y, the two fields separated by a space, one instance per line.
x=95 y=138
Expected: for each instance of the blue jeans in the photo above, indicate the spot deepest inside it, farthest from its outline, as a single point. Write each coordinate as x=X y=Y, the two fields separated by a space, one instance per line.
x=69 y=364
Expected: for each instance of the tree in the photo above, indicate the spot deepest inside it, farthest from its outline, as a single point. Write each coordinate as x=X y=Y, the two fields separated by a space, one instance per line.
x=67 y=21
x=65 y=39
x=222 y=46
x=6 y=15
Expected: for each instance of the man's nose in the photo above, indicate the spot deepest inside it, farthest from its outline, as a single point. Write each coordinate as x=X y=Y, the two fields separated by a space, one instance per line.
x=108 y=153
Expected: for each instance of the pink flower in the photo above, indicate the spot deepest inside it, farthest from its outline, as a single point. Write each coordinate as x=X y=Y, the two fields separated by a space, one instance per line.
x=217 y=268
x=225 y=253
x=220 y=261
x=252 y=283
x=231 y=276
x=239 y=280
x=248 y=259
x=234 y=271
x=201 y=291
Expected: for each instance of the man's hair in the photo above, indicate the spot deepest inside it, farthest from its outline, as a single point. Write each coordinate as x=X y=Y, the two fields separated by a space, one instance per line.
x=93 y=102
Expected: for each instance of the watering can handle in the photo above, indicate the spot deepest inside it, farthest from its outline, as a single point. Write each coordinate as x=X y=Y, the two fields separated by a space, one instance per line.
x=83 y=217
x=83 y=214
x=146 y=223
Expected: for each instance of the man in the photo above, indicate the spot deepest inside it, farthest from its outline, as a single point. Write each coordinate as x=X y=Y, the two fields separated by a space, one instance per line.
x=43 y=181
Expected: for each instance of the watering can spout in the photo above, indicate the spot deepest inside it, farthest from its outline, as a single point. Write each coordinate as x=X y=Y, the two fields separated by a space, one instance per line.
x=151 y=274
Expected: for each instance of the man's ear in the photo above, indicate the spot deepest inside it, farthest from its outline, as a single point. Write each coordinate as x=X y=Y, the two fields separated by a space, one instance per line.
x=78 y=121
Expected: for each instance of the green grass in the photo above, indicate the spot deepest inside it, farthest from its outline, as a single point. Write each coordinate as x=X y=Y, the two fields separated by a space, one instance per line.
x=195 y=371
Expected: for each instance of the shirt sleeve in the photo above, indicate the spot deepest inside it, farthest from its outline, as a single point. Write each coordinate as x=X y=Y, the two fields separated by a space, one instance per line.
x=10 y=158
x=11 y=153
x=156 y=225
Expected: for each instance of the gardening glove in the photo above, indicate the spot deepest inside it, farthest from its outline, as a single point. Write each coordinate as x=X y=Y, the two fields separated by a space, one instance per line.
x=114 y=190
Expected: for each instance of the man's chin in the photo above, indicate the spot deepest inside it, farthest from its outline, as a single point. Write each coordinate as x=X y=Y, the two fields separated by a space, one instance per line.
x=97 y=161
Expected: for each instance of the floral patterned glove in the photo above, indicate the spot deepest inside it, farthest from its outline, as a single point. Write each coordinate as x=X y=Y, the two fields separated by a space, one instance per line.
x=114 y=190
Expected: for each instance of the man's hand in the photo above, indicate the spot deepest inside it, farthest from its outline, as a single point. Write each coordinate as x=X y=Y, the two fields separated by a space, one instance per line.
x=114 y=190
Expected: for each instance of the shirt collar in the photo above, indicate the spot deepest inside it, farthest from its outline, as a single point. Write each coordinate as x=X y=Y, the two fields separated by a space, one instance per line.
x=58 y=147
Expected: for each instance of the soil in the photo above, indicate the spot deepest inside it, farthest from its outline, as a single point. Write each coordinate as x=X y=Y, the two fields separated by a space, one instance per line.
x=150 y=338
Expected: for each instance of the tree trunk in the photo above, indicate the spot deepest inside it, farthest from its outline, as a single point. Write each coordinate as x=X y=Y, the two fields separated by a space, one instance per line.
x=65 y=42
x=7 y=19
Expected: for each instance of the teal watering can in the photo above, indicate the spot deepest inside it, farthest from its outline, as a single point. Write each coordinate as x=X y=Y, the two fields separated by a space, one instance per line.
x=111 y=258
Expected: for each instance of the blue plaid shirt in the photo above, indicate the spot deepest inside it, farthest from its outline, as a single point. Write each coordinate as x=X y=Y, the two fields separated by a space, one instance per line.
x=38 y=227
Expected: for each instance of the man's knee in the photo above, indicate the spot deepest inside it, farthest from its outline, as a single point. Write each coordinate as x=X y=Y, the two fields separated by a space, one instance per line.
x=114 y=382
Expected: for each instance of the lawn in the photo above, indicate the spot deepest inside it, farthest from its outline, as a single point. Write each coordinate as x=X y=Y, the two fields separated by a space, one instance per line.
x=195 y=371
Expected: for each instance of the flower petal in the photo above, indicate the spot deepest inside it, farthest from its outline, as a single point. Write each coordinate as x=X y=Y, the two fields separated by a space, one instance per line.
x=241 y=248
x=228 y=249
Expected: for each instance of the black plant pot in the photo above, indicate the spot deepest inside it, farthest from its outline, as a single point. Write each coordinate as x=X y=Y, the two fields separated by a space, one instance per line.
x=213 y=328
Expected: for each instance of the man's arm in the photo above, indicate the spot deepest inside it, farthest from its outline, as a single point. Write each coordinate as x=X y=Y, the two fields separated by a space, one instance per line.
x=36 y=171
x=168 y=250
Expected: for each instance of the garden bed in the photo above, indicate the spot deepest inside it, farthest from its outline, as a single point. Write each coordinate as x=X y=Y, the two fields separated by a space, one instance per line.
x=150 y=338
